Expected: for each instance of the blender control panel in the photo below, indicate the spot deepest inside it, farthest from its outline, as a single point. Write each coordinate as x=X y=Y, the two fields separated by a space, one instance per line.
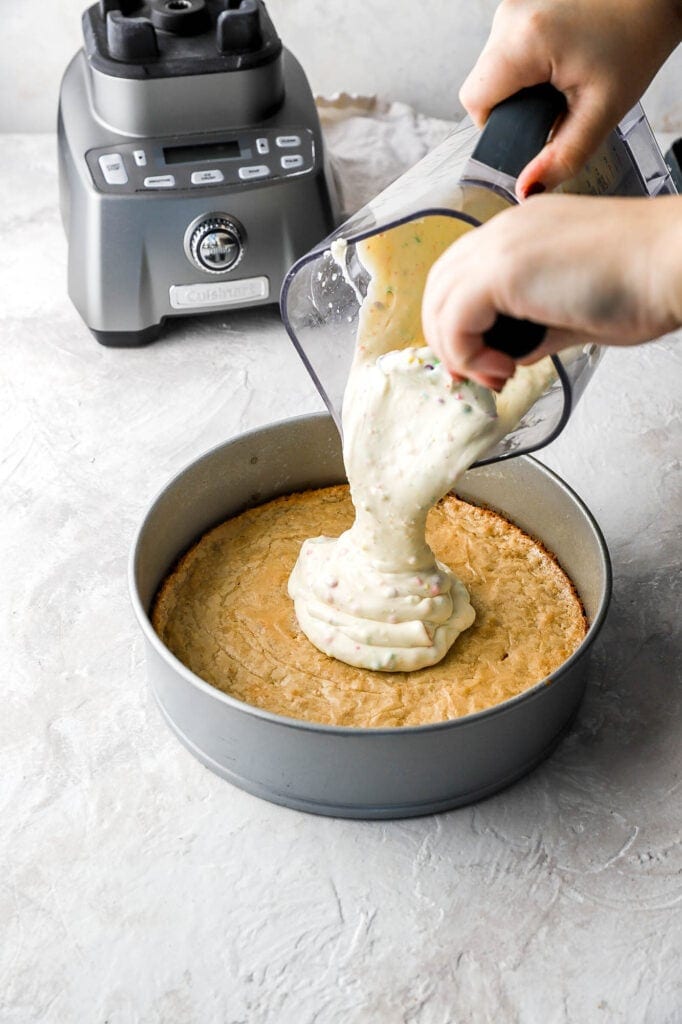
x=187 y=163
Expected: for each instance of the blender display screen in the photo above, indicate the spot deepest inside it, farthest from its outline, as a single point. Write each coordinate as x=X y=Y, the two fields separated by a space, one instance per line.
x=203 y=151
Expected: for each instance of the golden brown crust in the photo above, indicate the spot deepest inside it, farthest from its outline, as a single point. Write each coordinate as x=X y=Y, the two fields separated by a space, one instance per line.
x=224 y=612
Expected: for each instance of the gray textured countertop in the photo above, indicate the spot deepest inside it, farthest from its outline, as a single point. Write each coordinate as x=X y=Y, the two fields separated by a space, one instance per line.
x=136 y=886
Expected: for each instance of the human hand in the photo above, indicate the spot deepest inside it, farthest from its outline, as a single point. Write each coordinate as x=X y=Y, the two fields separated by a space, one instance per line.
x=601 y=54
x=592 y=269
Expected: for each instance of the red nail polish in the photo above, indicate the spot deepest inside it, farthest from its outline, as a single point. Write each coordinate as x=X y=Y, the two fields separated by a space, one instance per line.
x=535 y=189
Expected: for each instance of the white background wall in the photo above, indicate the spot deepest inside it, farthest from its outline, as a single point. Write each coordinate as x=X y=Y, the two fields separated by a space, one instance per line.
x=417 y=52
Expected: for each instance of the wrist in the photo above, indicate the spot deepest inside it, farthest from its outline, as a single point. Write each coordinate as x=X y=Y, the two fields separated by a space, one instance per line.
x=676 y=12
x=672 y=16
x=667 y=257
x=658 y=27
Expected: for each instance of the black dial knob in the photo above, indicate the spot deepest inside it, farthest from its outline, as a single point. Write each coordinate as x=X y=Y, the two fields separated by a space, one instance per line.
x=216 y=245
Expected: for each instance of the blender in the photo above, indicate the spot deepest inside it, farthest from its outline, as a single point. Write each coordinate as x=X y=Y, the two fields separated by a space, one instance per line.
x=192 y=167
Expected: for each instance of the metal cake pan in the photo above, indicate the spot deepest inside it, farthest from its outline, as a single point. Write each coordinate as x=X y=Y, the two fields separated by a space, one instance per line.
x=337 y=770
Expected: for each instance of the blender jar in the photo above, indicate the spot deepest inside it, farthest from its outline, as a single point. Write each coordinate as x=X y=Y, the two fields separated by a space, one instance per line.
x=466 y=180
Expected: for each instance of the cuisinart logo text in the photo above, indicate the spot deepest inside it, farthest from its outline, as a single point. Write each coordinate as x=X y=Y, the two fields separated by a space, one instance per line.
x=222 y=293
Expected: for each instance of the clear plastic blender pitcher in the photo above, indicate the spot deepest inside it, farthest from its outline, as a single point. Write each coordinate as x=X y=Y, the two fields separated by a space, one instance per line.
x=461 y=184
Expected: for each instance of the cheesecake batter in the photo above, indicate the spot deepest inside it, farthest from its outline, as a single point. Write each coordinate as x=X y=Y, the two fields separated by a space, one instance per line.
x=377 y=597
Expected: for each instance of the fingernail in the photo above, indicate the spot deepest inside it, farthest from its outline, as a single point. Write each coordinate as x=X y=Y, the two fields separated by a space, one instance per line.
x=496 y=382
x=535 y=189
x=489 y=363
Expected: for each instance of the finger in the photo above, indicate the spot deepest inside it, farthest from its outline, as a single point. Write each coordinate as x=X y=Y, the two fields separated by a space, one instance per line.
x=489 y=367
x=451 y=268
x=498 y=74
x=579 y=134
x=455 y=333
x=453 y=324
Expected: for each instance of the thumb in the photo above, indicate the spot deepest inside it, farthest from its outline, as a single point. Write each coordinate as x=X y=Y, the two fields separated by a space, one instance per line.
x=587 y=123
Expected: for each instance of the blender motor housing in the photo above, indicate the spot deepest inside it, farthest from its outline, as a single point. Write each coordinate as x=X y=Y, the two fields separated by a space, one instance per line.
x=192 y=168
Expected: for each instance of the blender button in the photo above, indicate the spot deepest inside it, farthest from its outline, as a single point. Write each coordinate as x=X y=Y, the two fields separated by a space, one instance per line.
x=160 y=181
x=206 y=177
x=288 y=141
x=256 y=171
x=113 y=169
x=290 y=162
x=140 y=157
x=263 y=146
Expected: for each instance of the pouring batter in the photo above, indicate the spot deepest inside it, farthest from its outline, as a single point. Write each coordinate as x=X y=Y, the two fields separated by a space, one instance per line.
x=376 y=597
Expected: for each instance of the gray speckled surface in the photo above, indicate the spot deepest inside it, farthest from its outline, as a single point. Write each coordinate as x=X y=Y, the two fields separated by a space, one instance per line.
x=136 y=886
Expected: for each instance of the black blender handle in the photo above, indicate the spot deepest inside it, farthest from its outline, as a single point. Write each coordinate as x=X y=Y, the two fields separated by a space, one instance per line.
x=515 y=132
x=516 y=338
x=517 y=128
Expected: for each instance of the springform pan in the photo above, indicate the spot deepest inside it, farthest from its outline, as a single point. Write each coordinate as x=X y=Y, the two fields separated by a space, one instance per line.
x=337 y=770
